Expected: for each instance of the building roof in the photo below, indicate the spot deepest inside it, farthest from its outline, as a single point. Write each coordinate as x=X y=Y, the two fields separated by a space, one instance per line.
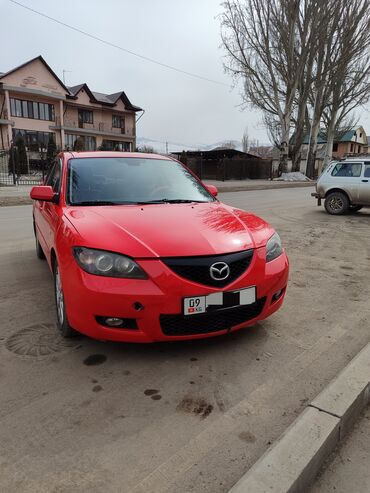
x=345 y=137
x=96 y=97
x=100 y=98
x=40 y=58
x=218 y=153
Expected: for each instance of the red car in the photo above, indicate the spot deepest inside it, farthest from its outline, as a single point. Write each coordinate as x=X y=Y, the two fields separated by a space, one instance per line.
x=142 y=251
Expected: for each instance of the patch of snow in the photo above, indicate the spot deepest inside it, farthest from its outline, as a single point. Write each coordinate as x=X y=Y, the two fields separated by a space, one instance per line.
x=293 y=176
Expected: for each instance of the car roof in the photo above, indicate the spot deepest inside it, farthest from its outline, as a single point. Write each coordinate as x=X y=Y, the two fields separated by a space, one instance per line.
x=97 y=154
x=365 y=157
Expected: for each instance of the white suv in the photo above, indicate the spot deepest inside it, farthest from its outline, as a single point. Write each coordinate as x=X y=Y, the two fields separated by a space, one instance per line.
x=345 y=185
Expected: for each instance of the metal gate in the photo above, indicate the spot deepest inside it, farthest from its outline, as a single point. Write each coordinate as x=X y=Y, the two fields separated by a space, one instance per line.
x=13 y=173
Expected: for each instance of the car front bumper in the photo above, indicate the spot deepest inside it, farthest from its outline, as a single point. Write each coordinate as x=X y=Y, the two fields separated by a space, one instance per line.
x=160 y=300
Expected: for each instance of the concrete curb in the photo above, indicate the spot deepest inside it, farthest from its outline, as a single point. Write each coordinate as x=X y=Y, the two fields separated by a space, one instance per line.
x=291 y=463
x=273 y=186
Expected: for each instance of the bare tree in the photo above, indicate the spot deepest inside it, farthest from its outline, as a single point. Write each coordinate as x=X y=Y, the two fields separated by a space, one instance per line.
x=245 y=141
x=267 y=45
x=342 y=67
x=349 y=84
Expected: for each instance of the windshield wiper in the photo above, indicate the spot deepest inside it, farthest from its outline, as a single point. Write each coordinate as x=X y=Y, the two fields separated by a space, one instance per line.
x=99 y=202
x=171 y=201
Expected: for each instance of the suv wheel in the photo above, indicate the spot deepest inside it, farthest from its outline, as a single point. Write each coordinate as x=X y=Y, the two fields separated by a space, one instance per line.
x=62 y=321
x=337 y=203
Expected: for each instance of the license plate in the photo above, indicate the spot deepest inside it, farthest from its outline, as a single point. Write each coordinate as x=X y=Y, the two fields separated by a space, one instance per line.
x=211 y=302
x=194 y=305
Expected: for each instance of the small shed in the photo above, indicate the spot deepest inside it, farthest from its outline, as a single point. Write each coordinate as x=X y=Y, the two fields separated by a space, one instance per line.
x=225 y=164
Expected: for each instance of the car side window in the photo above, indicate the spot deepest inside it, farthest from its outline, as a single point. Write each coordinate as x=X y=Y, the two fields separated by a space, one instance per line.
x=349 y=170
x=56 y=178
x=367 y=171
x=53 y=180
x=49 y=177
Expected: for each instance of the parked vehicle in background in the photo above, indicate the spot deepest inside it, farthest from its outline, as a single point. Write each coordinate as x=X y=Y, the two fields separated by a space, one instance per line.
x=345 y=186
x=141 y=250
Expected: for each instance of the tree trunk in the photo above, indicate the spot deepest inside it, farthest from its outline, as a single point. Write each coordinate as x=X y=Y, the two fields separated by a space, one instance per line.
x=300 y=131
x=330 y=140
x=284 y=144
x=312 y=149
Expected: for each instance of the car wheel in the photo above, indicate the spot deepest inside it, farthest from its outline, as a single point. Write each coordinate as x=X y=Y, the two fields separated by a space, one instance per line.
x=62 y=321
x=337 y=203
x=355 y=208
x=39 y=251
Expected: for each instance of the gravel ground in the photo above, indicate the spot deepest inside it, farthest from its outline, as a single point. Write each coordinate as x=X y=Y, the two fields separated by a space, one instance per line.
x=87 y=416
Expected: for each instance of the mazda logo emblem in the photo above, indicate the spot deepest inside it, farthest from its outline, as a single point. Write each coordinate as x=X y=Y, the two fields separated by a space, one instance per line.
x=219 y=271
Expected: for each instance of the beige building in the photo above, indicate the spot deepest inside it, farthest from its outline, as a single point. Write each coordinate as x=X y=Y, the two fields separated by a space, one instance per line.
x=34 y=103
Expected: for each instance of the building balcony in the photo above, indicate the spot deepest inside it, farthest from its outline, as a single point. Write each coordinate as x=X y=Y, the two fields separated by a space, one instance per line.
x=97 y=128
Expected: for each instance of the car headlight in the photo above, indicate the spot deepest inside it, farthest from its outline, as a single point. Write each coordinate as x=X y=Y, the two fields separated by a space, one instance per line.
x=274 y=248
x=103 y=263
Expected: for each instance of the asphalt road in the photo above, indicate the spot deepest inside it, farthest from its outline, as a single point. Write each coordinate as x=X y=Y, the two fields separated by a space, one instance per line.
x=87 y=416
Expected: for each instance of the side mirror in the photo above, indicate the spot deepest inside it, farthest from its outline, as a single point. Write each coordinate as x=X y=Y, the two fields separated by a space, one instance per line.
x=212 y=190
x=42 y=192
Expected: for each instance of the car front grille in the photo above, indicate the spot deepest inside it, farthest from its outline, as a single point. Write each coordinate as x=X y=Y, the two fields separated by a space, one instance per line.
x=204 y=323
x=197 y=269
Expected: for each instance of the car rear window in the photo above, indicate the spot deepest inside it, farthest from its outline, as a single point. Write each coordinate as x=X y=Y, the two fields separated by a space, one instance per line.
x=349 y=170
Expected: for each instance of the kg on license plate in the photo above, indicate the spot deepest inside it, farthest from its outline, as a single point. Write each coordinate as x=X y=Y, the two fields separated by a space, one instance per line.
x=195 y=305
x=214 y=301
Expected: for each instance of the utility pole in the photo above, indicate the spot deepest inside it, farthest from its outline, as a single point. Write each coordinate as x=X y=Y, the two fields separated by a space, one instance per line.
x=166 y=147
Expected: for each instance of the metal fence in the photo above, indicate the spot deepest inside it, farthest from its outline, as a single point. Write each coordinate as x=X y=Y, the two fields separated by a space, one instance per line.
x=31 y=172
x=231 y=168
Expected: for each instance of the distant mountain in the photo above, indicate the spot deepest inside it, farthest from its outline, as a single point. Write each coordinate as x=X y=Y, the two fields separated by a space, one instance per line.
x=160 y=147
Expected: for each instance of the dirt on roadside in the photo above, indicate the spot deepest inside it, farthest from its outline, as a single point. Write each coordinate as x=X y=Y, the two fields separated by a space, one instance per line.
x=7 y=201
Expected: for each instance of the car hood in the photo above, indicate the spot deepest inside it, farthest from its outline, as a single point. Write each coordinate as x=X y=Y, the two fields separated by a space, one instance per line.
x=168 y=230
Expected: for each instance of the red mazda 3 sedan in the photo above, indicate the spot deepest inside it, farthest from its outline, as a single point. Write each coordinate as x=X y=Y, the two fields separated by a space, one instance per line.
x=142 y=251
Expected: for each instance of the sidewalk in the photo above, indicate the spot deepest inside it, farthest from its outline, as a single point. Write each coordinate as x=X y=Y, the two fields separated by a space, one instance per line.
x=294 y=461
x=20 y=195
x=15 y=195
x=347 y=470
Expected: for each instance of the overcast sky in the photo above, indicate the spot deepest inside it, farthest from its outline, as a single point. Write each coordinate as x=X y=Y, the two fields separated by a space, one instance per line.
x=182 y=33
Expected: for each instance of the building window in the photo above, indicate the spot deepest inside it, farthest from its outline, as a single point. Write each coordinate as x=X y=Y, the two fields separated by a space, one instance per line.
x=32 y=109
x=69 y=141
x=90 y=143
x=85 y=116
x=115 y=145
x=118 y=121
x=351 y=148
x=34 y=141
x=335 y=147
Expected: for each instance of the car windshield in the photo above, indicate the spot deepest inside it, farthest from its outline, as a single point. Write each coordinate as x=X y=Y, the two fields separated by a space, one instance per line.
x=125 y=180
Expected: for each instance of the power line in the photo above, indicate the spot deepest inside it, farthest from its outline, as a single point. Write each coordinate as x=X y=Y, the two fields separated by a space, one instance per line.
x=179 y=144
x=101 y=40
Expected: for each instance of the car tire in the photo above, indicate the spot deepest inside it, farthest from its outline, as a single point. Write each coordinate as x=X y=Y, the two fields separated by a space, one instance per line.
x=355 y=208
x=337 y=203
x=39 y=251
x=63 y=326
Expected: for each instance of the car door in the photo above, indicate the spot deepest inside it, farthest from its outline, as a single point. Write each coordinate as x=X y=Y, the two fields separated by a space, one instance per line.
x=364 y=195
x=48 y=218
x=346 y=176
x=38 y=212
